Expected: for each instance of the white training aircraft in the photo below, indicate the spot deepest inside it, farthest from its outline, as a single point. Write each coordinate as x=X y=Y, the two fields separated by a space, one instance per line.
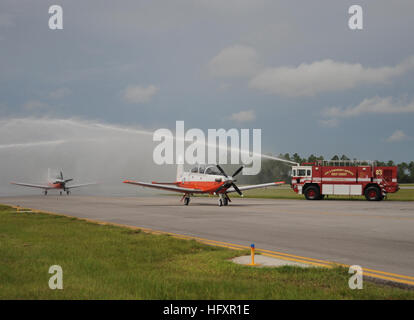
x=204 y=180
x=58 y=183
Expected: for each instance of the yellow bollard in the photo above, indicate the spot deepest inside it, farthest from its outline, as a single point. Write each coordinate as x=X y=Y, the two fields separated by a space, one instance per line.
x=252 y=254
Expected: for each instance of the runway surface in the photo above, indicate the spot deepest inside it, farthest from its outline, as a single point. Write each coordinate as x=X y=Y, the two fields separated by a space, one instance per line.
x=376 y=235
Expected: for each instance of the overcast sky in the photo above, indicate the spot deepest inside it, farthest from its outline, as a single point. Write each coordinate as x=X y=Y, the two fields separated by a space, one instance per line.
x=292 y=68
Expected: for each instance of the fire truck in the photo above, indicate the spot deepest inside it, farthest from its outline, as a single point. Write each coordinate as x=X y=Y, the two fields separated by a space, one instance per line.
x=355 y=177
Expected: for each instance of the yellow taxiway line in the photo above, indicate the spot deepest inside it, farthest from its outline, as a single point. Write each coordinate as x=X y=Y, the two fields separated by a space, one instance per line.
x=394 y=277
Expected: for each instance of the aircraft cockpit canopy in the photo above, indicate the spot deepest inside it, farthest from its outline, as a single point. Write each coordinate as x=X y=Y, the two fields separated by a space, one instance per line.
x=206 y=170
x=213 y=171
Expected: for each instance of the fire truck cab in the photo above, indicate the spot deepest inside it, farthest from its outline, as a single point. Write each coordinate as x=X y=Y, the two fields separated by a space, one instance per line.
x=323 y=178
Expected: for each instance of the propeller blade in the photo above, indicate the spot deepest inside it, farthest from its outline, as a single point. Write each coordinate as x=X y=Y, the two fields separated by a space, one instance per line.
x=237 y=189
x=61 y=175
x=224 y=185
x=221 y=170
x=237 y=171
x=67 y=180
x=219 y=188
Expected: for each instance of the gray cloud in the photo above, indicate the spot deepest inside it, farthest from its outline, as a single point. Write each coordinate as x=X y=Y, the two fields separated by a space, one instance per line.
x=375 y=105
x=324 y=76
x=59 y=93
x=139 y=94
x=35 y=105
x=234 y=61
x=397 y=136
x=243 y=116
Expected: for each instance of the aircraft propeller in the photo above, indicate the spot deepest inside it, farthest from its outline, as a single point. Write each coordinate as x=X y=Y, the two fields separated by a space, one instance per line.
x=230 y=183
x=64 y=181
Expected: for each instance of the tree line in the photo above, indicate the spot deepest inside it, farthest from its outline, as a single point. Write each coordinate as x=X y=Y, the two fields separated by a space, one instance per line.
x=279 y=170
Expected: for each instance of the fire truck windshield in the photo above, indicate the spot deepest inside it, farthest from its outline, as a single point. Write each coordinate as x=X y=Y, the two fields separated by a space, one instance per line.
x=301 y=172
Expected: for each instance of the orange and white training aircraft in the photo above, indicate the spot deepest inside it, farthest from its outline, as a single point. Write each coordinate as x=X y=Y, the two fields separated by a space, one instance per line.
x=204 y=180
x=58 y=183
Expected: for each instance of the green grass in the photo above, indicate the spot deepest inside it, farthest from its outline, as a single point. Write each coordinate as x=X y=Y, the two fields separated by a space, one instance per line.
x=109 y=262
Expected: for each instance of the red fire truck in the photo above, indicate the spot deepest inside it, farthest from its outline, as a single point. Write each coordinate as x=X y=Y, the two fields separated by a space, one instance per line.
x=323 y=178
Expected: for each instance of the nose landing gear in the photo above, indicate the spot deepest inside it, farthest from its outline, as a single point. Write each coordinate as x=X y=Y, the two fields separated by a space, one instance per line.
x=223 y=200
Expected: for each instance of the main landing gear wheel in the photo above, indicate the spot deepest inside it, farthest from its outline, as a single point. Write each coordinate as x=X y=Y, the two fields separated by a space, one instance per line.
x=68 y=192
x=61 y=193
x=312 y=193
x=373 y=194
x=220 y=202
x=45 y=192
x=186 y=201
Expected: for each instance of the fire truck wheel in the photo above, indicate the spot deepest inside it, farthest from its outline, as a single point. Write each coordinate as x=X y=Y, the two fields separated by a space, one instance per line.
x=312 y=193
x=373 y=194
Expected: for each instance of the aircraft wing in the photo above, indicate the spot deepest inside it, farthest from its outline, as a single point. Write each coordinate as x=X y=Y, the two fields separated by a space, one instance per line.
x=168 y=187
x=256 y=186
x=32 y=185
x=80 y=185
